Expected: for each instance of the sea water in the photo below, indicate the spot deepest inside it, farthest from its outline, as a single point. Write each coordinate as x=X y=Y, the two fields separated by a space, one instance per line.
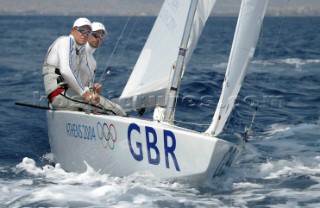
x=279 y=167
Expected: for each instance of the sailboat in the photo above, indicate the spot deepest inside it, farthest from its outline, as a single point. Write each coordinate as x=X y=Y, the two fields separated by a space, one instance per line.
x=121 y=146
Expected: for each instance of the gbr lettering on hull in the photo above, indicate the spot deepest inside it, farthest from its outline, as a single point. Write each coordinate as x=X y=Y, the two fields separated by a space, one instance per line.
x=151 y=139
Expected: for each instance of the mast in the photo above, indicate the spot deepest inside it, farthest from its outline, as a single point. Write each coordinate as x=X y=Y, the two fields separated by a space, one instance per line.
x=171 y=97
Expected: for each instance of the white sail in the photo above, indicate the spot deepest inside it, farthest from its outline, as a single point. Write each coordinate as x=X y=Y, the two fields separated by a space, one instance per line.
x=150 y=78
x=245 y=39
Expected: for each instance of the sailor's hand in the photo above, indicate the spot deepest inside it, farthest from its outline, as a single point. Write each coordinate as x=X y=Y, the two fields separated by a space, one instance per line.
x=95 y=98
x=87 y=96
x=97 y=87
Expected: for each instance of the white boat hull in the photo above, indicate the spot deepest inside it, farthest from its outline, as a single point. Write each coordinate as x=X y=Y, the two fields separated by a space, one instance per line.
x=121 y=146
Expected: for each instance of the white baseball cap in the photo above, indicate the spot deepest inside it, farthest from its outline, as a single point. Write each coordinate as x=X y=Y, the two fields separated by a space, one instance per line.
x=81 y=22
x=98 y=26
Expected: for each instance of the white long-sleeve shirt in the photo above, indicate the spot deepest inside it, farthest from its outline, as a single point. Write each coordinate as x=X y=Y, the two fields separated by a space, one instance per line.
x=88 y=67
x=66 y=55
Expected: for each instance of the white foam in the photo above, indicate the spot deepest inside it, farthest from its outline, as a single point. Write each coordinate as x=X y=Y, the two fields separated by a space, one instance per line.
x=284 y=168
x=247 y=185
x=53 y=185
x=5 y=190
x=289 y=130
x=258 y=188
x=93 y=189
x=297 y=62
x=222 y=65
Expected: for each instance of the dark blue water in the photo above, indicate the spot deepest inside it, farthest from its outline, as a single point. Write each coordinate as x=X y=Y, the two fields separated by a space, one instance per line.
x=280 y=166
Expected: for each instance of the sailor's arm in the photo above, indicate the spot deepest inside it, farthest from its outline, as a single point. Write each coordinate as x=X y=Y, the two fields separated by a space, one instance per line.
x=67 y=73
x=97 y=87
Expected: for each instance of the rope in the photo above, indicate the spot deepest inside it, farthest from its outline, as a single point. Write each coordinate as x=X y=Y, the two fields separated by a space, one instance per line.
x=89 y=105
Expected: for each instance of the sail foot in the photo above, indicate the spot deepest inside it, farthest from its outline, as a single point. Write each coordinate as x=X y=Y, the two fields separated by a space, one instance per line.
x=143 y=100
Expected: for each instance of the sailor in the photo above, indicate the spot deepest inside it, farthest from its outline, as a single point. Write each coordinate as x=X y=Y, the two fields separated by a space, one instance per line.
x=89 y=68
x=62 y=70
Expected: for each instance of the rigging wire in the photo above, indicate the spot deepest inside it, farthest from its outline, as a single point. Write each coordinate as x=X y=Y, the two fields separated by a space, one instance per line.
x=277 y=38
x=105 y=72
x=127 y=40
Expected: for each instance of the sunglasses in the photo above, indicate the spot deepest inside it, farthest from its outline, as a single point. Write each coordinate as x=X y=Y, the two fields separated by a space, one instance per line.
x=97 y=35
x=83 y=31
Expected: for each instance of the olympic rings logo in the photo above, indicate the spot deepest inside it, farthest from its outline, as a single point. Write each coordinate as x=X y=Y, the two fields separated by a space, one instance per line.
x=107 y=135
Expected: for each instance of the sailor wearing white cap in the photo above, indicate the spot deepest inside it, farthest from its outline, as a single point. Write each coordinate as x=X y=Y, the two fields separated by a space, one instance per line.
x=88 y=70
x=64 y=77
x=95 y=39
x=62 y=64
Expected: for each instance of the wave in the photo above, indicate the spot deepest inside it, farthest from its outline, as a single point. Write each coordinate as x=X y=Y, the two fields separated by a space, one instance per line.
x=275 y=177
x=280 y=130
x=298 y=63
x=51 y=186
x=255 y=172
